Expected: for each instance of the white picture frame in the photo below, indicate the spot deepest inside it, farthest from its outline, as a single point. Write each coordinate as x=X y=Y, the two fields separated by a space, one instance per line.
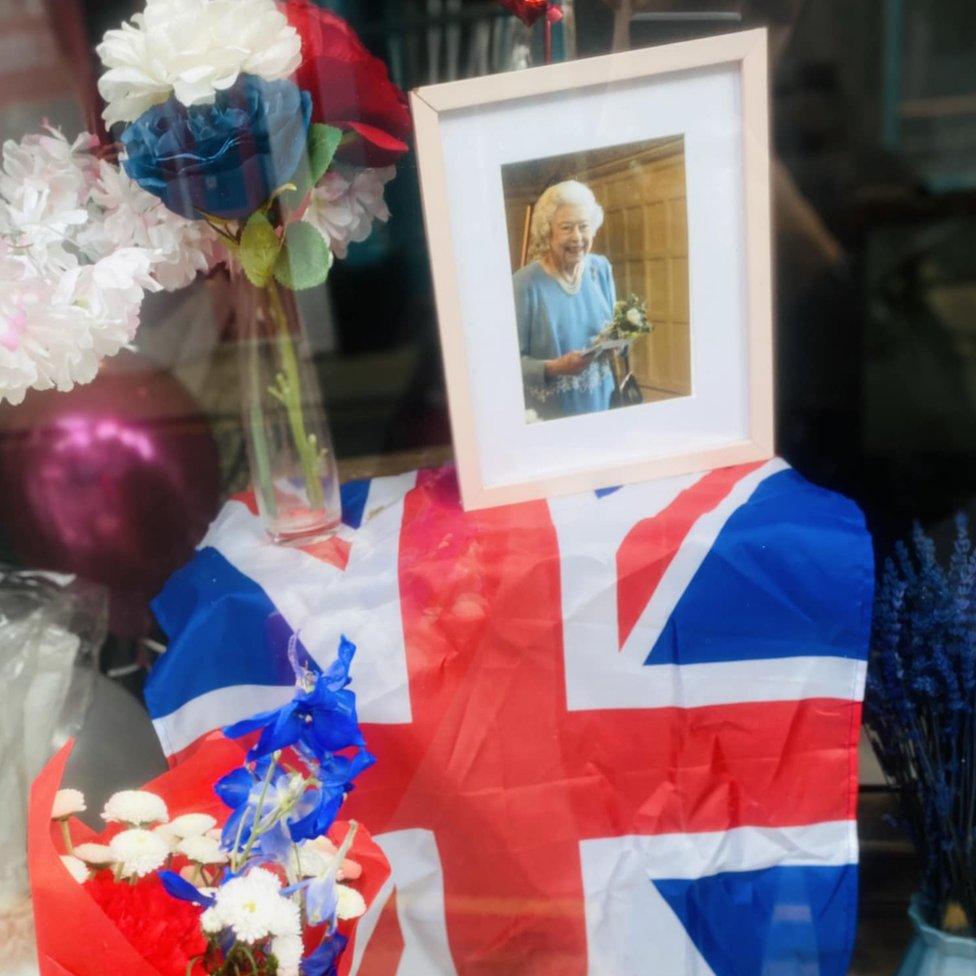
x=713 y=93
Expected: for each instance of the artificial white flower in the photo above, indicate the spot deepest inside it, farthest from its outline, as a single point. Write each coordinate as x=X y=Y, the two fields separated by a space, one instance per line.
x=192 y=825
x=67 y=803
x=43 y=343
x=202 y=850
x=132 y=217
x=288 y=951
x=80 y=245
x=135 y=807
x=634 y=316
x=98 y=854
x=76 y=868
x=192 y=49
x=351 y=903
x=253 y=907
x=138 y=852
x=44 y=186
x=345 y=203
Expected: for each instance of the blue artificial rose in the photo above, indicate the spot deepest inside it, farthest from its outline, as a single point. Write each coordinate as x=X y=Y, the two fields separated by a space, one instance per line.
x=223 y=159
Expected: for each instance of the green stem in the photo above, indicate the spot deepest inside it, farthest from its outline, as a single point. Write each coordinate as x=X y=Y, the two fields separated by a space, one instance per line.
x=290 y=388
x=257 y=812
x=69 y=848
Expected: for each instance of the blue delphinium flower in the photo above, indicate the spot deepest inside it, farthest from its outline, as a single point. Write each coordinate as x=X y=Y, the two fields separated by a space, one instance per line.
x=319 y=720
x=226 y=158
x=920 y=710
x=325 y=959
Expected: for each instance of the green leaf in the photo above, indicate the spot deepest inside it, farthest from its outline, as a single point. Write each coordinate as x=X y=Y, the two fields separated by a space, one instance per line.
x=323 y=141
x=259 y=249
x=305 y=260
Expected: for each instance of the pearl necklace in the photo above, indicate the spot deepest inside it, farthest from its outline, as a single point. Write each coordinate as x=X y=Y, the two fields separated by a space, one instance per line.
x=570 y=287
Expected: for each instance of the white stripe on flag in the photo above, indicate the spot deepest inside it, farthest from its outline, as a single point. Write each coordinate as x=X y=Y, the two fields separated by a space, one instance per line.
x=215 y=709
x=322 y=602
x=419 y=881
x=631 y=929
x=601 y=675
x=366 y=925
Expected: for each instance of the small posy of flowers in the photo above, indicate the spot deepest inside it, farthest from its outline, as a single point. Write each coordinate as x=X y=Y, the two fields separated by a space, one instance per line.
x=629 y=321
x=261 y=894
x=247 y=131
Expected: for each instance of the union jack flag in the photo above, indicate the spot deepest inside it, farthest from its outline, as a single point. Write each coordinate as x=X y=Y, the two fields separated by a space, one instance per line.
x=616 y=732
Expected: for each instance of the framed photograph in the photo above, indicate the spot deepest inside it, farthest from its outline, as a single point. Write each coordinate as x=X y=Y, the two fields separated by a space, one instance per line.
x=600 y=238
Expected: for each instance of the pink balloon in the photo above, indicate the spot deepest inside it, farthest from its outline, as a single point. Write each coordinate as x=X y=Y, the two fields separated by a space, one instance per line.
x=115 y=481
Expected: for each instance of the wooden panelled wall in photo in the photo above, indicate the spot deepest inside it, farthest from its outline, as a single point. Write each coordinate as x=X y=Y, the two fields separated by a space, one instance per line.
x=641 y=188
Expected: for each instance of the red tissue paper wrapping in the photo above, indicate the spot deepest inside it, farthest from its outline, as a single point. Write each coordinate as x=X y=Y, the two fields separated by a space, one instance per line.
x=75 y=937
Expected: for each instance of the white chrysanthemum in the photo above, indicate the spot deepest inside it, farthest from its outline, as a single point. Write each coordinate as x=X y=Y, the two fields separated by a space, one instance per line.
x=131 y=217
x=192 y=825
x=253 y=907
x=345 y=203
x=76 y=868
x=192 y=49
x=306 y=861
x=135 y=807
x=67 y=803
x=351 y=903
x=211 y=921
x=202 y=850
x=99 y=855
x=288 y=951
x=138 y=852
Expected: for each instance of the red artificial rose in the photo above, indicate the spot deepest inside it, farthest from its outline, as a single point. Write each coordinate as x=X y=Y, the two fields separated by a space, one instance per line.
x=530 y=11
x=163 y=930
x=350 y=88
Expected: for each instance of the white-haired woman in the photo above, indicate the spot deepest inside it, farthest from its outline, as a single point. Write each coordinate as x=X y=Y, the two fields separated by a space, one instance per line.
x=563 y=298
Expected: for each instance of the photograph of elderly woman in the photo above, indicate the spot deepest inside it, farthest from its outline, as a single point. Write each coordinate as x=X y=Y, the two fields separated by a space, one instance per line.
x=599 y=251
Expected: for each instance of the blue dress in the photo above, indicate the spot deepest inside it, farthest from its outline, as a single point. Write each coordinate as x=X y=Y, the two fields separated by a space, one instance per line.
x=552 y=322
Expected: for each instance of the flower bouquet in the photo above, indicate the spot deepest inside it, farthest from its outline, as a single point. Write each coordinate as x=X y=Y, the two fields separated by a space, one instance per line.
x=232 y=864
x=249 y=133
x=629 y=322
x=920 y=714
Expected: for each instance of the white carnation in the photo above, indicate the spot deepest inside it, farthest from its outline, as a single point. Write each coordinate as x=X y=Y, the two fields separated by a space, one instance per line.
x=138 y=852
x=346 y=202
x=192 y=49
x=98 y=854
x=135 y=807
x=351 y=902
x=202 y=850
x=76 y=868
x=253 y=907
x=67 y=803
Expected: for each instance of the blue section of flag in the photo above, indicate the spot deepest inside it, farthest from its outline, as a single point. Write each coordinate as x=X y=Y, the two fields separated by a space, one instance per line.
x=789 y=575
x=223 y=623
x=603 y=492
x=354 y=495
x=781 y=921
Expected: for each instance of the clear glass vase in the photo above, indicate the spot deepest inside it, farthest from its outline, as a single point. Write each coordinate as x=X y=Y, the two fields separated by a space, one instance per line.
x=289 y=446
